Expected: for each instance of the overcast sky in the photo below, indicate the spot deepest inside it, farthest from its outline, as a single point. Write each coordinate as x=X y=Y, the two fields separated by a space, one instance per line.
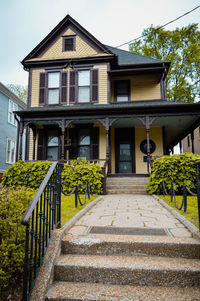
x=24 y=23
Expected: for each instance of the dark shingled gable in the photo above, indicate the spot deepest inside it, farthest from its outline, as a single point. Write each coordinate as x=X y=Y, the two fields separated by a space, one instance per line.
x=130 y=58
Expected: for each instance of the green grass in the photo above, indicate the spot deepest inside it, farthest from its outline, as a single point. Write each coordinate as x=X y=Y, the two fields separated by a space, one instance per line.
x=192 y=210
x=68 y=209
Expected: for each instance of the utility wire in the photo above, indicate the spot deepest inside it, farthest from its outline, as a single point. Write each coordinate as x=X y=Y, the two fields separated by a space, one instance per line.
x=160 y=27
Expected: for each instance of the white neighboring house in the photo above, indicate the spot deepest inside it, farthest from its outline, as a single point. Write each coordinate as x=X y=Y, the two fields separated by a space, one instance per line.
x=9 y=102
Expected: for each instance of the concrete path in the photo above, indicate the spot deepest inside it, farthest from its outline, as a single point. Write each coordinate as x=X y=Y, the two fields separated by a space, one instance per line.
x=141 y=211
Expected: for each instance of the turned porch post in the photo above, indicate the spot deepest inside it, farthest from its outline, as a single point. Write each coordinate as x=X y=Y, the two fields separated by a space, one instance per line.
x=21 y=130
x=34 y=142
x=192 y=140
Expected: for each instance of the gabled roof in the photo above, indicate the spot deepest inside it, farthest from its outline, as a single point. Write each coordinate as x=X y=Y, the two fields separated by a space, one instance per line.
x=130 y=58
x=58 y=30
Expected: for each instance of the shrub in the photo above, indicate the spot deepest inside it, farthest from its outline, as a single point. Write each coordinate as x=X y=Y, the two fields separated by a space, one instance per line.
x=176 y=168
x=16 y=174
x=76 y=173
x=13 y=204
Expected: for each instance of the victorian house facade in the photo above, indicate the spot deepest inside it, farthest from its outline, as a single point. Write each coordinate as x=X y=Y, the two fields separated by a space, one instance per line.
x=98 y=102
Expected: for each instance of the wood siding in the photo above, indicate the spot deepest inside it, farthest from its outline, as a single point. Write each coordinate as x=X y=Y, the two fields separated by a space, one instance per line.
x=143 y=87
x=83 y=49
x=140 y=135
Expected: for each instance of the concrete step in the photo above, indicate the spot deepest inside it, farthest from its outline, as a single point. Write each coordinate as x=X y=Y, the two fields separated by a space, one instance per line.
x=129 y=180
x=68 y=291
x=125 y=191
x=125 y=270
x=131 y=246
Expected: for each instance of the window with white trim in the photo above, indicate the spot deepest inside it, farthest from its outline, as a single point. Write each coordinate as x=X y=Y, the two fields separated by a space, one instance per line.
x=53 y=87
x=10 y=150
x=84 y=86
x=12 y=106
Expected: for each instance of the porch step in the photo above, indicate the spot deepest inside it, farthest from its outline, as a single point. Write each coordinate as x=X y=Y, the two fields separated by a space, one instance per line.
x=116 y=185
x=68 y=291
x=128 y=270
x=131 y=246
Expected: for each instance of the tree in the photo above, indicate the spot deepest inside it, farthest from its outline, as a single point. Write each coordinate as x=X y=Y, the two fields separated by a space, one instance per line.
x=19 y=90
x=181 y=47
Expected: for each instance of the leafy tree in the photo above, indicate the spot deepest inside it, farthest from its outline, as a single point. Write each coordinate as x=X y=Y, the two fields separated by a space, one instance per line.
x=20 y=91
x=181 y=47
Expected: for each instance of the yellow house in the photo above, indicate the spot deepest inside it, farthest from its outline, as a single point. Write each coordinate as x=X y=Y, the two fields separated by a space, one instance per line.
x=95 y=101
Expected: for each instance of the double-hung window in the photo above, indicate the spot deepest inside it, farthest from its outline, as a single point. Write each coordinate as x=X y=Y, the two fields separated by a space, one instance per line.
x=10 y=150
x=122 y=90
x=53 y=87
x=11 y=108
x=84 y=86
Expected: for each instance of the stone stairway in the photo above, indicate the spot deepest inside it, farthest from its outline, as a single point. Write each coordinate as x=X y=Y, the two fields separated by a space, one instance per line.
x=125 y=184
x=126 y=267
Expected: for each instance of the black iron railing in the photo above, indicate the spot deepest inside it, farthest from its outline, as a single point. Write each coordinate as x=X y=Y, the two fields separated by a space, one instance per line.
x=75 y=191
x=186 y=191
x=40 y=219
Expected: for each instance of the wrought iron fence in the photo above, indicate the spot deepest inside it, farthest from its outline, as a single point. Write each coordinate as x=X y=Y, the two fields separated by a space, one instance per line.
x=186 y=191
x=40 y=219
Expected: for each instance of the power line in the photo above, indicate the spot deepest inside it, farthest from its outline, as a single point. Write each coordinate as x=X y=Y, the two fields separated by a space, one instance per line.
x=160 y=26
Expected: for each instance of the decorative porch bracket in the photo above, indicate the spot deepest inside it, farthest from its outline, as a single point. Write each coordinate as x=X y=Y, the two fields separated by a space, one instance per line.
x=147 y=122
x=107 y=123
x=63 y=124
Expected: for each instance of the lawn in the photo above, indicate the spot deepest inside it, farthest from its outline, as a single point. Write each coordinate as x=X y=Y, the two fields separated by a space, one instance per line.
x=192 y=210
x=68 y=209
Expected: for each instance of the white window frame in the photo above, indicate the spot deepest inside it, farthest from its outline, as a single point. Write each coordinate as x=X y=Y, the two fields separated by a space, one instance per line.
x=9 y=154
x=53 y=88
x=87 y=86
x=12 y=106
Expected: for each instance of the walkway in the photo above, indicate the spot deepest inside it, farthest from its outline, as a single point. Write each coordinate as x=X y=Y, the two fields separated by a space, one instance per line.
x=141 y=211
x=130 y=248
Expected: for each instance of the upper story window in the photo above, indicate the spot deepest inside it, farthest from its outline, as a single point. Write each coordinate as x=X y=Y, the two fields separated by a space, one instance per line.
x=122 y=90
x=69 y=43
x=12 y=106
x=53 y=87
x=10 y=150
x=84 y=86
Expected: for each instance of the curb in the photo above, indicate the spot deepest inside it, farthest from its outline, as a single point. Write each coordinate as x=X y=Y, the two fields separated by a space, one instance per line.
x=192 y=228
x=45 y=276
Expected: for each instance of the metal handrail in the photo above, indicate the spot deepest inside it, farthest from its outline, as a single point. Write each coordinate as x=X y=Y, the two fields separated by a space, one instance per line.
x=27 y=214
x=40 y=219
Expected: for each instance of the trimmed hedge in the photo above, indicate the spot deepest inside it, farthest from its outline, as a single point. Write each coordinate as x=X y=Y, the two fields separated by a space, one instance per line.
x=13 y=204
x=74 y=174
x=176 y=168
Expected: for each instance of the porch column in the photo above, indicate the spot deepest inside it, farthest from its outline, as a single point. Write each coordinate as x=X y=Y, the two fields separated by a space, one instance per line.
x=34 y=142
x=21 y=130
x=181 y=147
x=192 y=140
x=147 y=121
x=17 y=145
x=63 y=124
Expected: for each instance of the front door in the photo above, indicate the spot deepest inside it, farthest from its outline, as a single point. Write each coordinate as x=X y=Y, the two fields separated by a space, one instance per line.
x=124 y=150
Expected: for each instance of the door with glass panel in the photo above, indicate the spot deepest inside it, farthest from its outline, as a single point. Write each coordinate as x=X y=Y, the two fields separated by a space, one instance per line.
x=52 y=145
x=124 y=150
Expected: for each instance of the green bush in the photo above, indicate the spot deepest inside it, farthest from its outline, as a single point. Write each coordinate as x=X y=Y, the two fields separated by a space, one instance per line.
x=13 y=204
x=74 y=174
x=16 y=174
x=176 y=168
x=78 y=172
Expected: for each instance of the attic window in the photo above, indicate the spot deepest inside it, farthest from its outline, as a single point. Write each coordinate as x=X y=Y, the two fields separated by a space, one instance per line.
x=69 y=43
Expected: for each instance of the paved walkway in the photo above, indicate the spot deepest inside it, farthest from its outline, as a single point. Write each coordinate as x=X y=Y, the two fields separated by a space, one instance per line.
x=141 y=211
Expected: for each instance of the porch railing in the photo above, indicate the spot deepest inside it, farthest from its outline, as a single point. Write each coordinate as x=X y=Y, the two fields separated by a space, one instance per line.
x=40 y=219
x=186 y=192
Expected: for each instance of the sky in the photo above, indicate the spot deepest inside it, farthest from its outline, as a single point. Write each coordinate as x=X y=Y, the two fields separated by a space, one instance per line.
x=24 y=23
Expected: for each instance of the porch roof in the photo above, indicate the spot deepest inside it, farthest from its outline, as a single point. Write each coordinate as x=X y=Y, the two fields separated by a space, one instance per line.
x=178 y=119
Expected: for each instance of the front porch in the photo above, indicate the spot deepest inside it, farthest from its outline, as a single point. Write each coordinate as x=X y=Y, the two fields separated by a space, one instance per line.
x=122 y=138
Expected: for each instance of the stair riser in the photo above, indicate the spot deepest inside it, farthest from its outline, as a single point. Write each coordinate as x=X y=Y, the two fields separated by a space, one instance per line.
x=127 y=191
x=133 y=249
x=127 y=276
